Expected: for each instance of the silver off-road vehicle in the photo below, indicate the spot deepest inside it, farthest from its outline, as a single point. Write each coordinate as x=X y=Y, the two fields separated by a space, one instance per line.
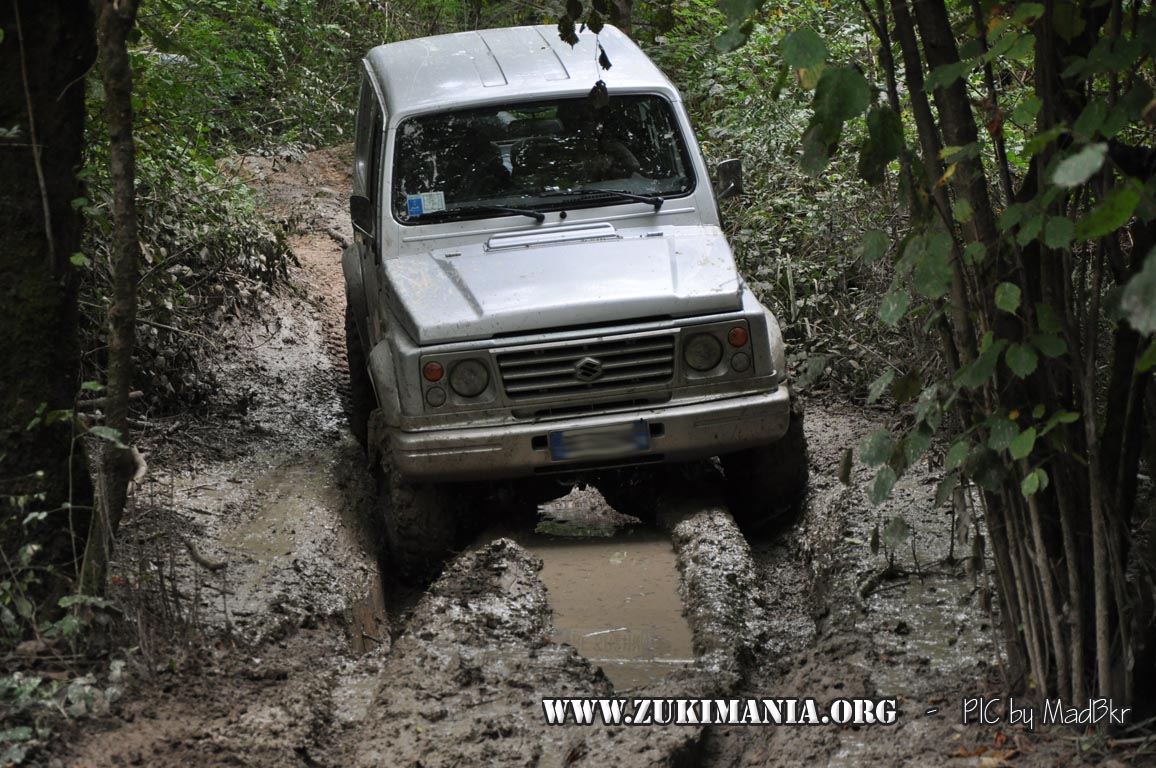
x=539 y=286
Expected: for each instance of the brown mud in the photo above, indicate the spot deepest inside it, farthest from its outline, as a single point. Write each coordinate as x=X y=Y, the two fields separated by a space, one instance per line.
x=296 y=648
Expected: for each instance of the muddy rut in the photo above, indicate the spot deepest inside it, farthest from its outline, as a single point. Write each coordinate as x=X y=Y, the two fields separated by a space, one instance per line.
x=298 y=648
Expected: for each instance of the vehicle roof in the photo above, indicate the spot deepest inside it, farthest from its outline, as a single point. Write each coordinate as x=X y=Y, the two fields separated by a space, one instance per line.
x=495 y=65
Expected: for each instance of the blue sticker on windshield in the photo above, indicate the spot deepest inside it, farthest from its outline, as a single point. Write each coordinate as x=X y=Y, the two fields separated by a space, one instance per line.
x=414 y=204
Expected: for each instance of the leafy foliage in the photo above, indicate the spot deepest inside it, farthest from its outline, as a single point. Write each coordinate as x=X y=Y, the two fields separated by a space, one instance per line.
x=1019 y=241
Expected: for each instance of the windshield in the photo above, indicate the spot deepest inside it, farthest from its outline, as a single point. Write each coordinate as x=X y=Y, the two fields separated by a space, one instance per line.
x=509 y=160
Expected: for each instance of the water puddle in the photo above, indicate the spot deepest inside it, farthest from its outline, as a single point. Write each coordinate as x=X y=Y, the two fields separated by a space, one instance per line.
x=613 y=589
x=292 y=543
x=934 y=624
x=616 y=601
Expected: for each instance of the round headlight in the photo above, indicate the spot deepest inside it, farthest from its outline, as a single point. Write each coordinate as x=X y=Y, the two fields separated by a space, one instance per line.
x=702 y=352
x=469 y=378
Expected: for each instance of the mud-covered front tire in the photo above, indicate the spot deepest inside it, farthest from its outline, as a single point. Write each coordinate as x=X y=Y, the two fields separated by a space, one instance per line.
x=361 y=400
x=770 y=481
x=422 y=525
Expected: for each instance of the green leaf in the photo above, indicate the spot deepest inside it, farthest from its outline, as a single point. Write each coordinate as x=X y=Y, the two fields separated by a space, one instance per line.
x=804 y=49
x=893 y=306
x=873 y=246
x=1041 y=140
x=906 y=387
x=932 y=276
x=1030 y=229
x=79 y=260
x=1147 y=360
x=1090 y=120
x=1111 y=214
x=980 y=370
x=1138 y=300
x=1048 y=319
x=1023 y=443
x=957 y=454
x=1078 y=168
x=974 y=253
x=1059 y=417
x=1002 y=431
x=963 y=212
x=732 y=39
x=1021 y=359
x=945 y=488
x=96 y=602
x=1026 y=111
x=92 y=386
x=1058 y=232
x=879 y=385
x=19 y=733
x=1031 y=483
x=877 y=448
x=1049 y=344
x=107 y=433
x=1007 y=297
x=816 y=154
x=947 y=74
x=896 y=532
x=916 y=444
x=1026 y=13
x=881 y=487
x=883 y=144
x=842 y=94
x=1011 y=216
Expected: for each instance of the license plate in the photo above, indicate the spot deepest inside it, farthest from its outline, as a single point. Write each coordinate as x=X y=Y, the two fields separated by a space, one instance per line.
x=599 y=442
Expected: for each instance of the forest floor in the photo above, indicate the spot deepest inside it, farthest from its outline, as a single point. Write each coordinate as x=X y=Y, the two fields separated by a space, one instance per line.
x=276 y=636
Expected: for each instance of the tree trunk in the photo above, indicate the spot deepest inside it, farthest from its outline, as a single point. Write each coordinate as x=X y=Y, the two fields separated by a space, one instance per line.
x=116 y=21
x=46 y=49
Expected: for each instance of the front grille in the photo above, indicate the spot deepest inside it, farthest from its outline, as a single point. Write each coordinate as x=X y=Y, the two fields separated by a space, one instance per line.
x=565 y=370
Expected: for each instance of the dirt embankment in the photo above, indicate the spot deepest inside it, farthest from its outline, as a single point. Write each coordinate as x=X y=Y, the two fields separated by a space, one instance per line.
x=293 y=651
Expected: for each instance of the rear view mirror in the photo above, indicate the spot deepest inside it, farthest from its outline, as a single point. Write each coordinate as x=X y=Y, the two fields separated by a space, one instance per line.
x=361 y=212
x=730 y=178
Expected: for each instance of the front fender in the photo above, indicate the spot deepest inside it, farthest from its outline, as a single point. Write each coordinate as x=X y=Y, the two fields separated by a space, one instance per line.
x=381 y=371
x=778 y=347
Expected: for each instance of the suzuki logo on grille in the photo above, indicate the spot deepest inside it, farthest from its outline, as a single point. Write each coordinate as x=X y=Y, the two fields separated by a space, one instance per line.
x=588 y=369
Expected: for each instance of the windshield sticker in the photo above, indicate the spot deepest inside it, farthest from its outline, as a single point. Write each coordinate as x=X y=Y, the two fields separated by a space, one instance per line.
x=427 y=202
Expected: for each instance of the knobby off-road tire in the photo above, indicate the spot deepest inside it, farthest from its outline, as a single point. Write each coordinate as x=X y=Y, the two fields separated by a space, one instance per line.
x=422 y=525
x=769 y=482
x=361 y=400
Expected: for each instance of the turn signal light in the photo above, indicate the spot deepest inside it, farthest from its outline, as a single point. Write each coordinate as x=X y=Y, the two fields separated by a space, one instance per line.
x=737 y=336
x=432 y=371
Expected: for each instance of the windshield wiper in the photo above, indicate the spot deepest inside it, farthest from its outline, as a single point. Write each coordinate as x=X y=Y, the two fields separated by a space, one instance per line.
x=592 y=193
x=537 y=216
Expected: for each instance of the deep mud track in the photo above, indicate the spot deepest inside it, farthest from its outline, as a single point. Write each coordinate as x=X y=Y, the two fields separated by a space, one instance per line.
x=294 y=649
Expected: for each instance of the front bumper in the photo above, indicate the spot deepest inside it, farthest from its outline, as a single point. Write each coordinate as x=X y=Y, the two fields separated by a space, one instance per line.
x=677 y=433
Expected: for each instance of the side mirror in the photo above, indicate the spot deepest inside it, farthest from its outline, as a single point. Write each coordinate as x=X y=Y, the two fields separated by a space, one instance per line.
x=361 y=212
x=730 y=178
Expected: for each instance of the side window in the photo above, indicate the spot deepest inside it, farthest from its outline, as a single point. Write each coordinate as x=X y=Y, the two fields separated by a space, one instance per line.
x=375 y=150
x=368 y=122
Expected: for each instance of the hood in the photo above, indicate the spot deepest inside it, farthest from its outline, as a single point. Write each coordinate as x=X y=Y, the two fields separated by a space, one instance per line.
x=562 y=277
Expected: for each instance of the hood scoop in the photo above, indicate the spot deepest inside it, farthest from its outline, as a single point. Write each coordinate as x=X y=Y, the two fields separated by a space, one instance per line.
x=575 y=233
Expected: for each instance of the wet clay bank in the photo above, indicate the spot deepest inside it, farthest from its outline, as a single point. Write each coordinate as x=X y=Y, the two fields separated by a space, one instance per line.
x=305 y=652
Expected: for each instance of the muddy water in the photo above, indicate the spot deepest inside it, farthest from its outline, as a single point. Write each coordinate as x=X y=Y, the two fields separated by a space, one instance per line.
x=288 y=532
x=613 y=588
x=616 y=601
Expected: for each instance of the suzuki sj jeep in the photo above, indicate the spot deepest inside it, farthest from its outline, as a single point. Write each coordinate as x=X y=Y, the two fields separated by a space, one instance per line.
x=539 y=286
